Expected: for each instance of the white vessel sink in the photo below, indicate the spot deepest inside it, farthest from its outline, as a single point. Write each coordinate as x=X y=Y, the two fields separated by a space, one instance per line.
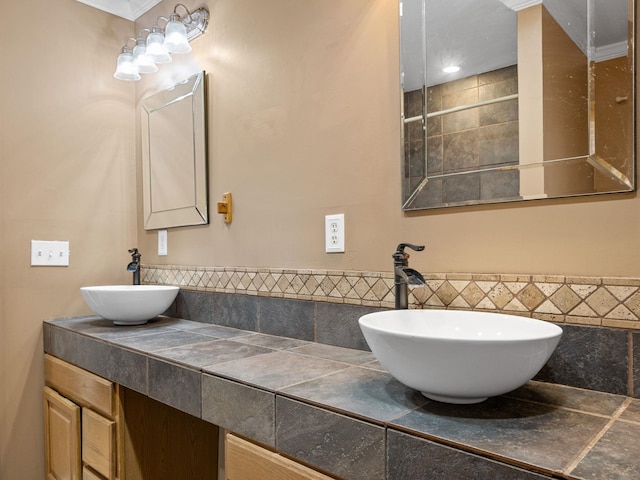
x=459 y=356
x=129 y=304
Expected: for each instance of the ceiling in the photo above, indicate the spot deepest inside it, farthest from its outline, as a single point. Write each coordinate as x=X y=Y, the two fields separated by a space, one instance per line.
x=480 y=35
x=129 y=9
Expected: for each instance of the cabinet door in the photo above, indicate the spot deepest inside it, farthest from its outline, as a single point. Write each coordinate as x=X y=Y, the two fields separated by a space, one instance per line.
x=99 y=443
x=88 y=474
x=62 y=437
x=248 y=461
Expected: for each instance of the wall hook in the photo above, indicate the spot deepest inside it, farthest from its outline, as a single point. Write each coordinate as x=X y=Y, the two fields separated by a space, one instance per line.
x=225 y=207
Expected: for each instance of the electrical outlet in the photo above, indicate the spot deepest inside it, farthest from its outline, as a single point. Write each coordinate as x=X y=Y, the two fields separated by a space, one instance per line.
x=334 y=233
x=162 y=243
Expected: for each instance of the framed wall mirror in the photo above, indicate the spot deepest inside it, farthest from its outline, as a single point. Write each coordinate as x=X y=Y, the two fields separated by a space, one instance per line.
x=174 y=155
x=511 y=100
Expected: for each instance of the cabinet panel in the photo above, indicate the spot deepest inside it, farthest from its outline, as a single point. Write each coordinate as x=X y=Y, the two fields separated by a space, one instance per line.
x=88 y=474
x=99 y=443
x=84 y=388
x=162 y=443
x=62 y=437
x=247 y=461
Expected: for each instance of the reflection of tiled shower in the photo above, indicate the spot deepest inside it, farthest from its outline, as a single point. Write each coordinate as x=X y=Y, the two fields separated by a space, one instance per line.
x=463 y=147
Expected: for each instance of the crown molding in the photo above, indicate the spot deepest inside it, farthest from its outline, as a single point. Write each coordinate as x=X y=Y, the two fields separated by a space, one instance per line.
x=517 y=5
x=129 y=9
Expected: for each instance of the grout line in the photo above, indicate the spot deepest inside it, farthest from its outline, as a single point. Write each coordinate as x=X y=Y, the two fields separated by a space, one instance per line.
x=315 y=321
x=572 y=466
x=630 y=387
x=320 y=376
x=565 y=408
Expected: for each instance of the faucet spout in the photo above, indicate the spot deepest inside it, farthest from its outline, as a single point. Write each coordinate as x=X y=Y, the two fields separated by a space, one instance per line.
x=405 y=276
x=410 y=276
x=134 y=265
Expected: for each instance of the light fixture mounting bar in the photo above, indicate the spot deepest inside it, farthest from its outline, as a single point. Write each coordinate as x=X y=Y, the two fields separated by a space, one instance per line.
x=196 y=23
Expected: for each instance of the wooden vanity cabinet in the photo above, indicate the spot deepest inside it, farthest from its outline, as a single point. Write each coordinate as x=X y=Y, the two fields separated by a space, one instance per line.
x=81 y=413
x=98 y=430
x=245 y=460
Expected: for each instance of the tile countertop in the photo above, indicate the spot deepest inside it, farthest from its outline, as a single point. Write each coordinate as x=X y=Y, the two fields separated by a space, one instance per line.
x=306 y=399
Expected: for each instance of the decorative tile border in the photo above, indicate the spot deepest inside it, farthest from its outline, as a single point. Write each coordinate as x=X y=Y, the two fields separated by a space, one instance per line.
x=599 y=301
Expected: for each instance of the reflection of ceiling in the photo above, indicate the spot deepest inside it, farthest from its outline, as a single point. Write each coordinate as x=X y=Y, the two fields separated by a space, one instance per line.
x=480 y=35
x=129 y=9
x=609 y=24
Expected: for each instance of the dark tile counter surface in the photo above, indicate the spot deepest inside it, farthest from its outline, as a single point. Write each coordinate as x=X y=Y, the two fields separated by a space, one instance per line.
x=338 y=410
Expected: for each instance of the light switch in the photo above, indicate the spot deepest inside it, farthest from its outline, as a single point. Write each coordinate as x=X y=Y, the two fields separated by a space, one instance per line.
x=49 y=253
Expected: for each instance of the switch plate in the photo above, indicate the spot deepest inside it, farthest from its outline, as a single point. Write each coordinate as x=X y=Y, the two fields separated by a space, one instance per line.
x=162 y=243
x=49 y=253
x=334 y=233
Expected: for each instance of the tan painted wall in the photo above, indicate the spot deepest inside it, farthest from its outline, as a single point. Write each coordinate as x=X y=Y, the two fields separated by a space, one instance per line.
x=565 y=99
x=530 y=106
x=565 y=79
x=613 y=111
x=304 y=101
x=303 y=123
x=66 y=173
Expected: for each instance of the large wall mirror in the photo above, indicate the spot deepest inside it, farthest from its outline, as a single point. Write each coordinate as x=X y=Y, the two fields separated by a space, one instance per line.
x=510 y=100
x=174 y=155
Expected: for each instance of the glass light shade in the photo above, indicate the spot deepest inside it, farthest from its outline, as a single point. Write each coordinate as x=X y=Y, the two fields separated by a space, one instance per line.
x=155 y=47
x=125 y=69
x=141 y=60
x=175 y=36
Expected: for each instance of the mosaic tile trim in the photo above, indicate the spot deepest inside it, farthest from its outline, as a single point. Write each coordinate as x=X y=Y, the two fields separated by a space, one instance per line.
x=599 y=301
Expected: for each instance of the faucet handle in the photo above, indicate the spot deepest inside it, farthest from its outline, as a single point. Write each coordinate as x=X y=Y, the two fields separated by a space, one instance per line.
x=417 y=248
x=400 y=257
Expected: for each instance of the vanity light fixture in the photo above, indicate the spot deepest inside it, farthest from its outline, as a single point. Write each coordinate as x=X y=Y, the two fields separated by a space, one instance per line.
x=125 y=69
x=160 y=43
x=142 y=59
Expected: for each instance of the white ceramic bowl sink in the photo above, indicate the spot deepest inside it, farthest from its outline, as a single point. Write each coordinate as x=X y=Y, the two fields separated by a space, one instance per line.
x=459 y=356
x=129 y=304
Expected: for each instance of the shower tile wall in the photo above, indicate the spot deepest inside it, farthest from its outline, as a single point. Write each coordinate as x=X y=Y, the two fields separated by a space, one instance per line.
x=414 y=151
x=463 y=147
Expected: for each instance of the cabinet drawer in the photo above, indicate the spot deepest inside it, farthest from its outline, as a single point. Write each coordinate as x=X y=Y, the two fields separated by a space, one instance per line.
x=84 y=388
x=99 y=443
x=247 y=461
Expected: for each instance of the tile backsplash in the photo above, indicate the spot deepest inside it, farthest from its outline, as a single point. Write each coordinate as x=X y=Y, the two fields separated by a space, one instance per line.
x=594 y=301
x=600 y=316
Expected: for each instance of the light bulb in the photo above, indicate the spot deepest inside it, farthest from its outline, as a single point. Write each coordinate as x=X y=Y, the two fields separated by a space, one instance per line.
x=125 y=69
x=141 y=60
x=175 y=36
x=155 y=47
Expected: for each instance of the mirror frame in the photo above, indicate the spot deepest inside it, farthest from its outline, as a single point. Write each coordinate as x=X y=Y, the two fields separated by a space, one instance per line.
x=191 y=90
x=590 y=163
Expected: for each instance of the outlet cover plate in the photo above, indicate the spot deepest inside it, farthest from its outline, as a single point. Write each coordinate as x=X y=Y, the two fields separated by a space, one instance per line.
x=334 y=233
x=162 y=243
